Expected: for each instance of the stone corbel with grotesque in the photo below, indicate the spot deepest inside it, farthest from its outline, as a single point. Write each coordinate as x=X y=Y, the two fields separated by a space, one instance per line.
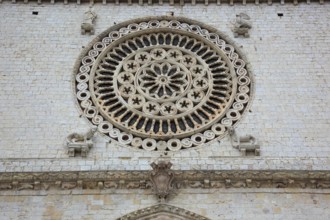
x=80 y=143
x=162 y=179
x=88 y=23
x=242 y=25
x=244 y=144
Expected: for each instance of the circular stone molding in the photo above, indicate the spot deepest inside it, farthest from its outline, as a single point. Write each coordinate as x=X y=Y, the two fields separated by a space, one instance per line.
x=162 y=83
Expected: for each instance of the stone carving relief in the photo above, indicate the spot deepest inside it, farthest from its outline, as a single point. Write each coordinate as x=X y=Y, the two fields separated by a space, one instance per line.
x=162 y=212
x=80 y=143
x=112 y=180
x=244 y=144
x=87 y=26
x=5 y=186
x=162 y=179
x=163 y=84
x=242 y=25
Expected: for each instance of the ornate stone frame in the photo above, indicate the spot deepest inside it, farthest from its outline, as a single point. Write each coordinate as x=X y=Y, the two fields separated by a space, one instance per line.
x=218 y=130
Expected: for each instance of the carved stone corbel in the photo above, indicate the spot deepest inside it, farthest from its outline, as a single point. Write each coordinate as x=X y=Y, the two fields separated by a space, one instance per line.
x=162 y=179
x=100 y=185
x=242 y=25
x=80 y=143
x=244 y=144
x=88 y=24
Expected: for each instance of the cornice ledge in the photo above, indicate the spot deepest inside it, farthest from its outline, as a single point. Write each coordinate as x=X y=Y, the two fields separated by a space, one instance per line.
x=135 y=179
x=170 y=2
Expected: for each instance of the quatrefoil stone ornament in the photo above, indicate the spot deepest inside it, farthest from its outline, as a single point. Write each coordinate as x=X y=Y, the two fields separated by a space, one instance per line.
x=163 y=83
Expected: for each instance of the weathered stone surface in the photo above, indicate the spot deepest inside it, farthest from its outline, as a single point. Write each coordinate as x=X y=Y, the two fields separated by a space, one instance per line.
x=288 y=50
x=215 y=205
x=46 y=63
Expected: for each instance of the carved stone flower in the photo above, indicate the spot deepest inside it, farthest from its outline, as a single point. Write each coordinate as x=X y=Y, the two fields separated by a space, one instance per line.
x=163 y=80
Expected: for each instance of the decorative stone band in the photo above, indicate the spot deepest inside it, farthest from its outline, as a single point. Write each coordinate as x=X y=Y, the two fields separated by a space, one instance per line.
x=182 y=179
x=172 y=2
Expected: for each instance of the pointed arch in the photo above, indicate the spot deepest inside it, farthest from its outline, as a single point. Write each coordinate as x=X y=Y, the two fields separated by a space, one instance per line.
x=162 y=212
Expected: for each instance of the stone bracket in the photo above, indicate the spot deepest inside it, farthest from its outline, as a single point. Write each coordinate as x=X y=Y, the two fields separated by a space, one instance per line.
x=87 y=26
x=82 y=148
x=80 y=143
x=244 y=144
x=242 y=25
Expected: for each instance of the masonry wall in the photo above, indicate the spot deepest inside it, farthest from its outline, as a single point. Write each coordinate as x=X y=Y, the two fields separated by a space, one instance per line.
x=214 y=204
x=289 y=115
x=290 y=118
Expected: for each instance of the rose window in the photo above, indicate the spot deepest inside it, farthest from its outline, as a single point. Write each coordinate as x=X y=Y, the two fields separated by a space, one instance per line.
x=162 y=84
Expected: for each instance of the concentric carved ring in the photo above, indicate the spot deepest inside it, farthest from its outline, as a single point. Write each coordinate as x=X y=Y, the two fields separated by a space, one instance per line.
x=162 y=84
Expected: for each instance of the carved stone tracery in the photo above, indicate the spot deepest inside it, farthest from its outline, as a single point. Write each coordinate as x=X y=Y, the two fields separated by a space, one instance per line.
x=163 y=84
